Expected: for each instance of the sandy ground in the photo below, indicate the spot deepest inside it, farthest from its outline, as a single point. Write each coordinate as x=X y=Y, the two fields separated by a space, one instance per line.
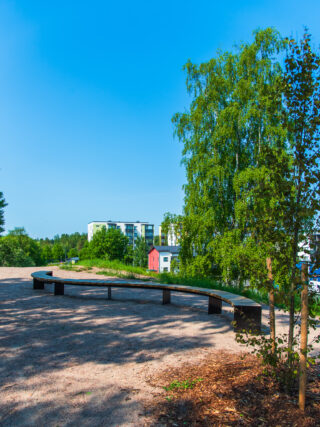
x=80 y=359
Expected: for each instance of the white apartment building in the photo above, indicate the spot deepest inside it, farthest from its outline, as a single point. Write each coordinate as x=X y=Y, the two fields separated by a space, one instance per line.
x=173 y=239
x=309 y=247
x=129 y=228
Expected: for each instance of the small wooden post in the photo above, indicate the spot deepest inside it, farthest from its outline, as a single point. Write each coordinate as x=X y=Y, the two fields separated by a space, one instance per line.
x=109 y=292
x=59 y=288
x=214 y=305
x=304 y=337
x=166 y=296
x=37 y=284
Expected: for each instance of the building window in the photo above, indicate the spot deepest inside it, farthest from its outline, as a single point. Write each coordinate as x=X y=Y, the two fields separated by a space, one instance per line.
x=165 y=259
x=165 y=268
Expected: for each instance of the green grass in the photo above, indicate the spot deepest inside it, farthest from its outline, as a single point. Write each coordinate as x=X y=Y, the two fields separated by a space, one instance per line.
x=186 y=384
x=116 y=266
x=121 y=275
x=255 y=295
x=118 y=269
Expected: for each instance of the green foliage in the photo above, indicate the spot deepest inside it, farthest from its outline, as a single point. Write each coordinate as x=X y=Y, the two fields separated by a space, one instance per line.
x=140 y=253
x=301 y=88
x=111 y=244
x=156 y=240
x=68 y=242
x=58 y=253
x=73 y=252
x=260 y=296
x=172 y=224
x=185 y=384
x=3 y=204
x=251 y=151
x=116 y=266
x=233 y=115
x=17 y=249
x=283 y=369
x=174 y=265
x=85 y=253
x=128 y=257
x=47 y=253
x=117 y=274
x=13 y=256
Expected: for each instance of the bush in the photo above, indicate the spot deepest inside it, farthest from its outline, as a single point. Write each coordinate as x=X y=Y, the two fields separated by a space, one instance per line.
x=111 y=244
x=12 y=256
x=20 y=250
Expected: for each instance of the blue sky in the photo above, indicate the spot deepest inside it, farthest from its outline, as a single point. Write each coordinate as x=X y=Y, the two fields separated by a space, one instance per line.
x=87 y=92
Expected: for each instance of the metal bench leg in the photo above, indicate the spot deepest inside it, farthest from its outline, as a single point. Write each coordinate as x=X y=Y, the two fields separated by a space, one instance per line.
x=109 y=292
x=214 y=305
x=37 y=284
x=247 y=318
x=59 y=288
x=166 y=297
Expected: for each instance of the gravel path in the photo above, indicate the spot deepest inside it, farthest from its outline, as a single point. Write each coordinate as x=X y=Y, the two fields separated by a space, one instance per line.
x=80 y=359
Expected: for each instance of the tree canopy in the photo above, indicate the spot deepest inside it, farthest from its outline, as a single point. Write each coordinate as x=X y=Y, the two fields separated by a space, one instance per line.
x=111 y=244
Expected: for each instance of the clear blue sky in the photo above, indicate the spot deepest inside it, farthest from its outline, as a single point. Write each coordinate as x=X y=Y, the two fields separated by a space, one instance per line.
x=87 y=92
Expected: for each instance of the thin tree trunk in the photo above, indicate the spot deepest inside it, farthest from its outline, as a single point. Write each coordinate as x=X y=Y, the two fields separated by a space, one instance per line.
x=304 y=337
x=292 y=292
x=272 y=315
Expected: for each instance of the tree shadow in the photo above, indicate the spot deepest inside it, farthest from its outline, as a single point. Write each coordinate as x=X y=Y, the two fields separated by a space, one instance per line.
x=234 y=402
x=108 y=406
x=42 y=334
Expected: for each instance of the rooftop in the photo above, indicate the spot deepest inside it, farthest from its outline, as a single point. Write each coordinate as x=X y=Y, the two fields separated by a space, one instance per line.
x=171 y=249
x=120 y=222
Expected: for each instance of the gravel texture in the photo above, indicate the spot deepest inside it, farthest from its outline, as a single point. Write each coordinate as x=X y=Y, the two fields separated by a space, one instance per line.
x=80 y=359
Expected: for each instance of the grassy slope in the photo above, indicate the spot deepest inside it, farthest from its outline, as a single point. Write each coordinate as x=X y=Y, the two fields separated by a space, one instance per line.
x=116 y=266
x=214 y=284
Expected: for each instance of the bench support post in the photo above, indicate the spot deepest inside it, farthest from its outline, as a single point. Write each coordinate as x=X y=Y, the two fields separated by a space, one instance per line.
x=166 y=296
x=37 y=284
x=247 y=318
x=109 y=292
x=59 y=288
x=214 y=305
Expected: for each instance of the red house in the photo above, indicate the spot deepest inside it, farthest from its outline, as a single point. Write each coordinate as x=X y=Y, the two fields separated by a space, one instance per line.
x=159 y=257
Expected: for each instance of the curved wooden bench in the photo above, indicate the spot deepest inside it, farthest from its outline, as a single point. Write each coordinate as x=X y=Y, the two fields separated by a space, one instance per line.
x=247 y=313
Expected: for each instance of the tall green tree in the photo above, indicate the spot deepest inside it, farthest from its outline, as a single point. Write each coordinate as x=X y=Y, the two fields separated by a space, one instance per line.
x=58 y=252
x=47 y=253
x=140 y=253
x=229 y=122
x=263 y=249
x=302 y=101
x=3 y=204
x=111 y=244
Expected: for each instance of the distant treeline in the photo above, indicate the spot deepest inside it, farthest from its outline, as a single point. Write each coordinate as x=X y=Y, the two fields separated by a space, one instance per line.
x=17 y=249
x=20 y=250
x=62 y=247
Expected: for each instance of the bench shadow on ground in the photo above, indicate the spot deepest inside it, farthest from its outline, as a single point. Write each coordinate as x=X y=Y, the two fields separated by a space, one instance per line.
x=41 y=332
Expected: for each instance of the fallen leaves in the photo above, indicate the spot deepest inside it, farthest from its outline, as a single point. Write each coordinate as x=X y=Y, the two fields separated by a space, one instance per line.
x=233 y=392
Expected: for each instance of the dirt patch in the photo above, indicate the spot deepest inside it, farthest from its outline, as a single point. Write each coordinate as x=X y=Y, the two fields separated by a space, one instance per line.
x=81 y=359
x=228 y=389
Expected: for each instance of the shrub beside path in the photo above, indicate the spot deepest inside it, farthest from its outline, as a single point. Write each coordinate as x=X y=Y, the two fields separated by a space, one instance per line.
x=80 y=359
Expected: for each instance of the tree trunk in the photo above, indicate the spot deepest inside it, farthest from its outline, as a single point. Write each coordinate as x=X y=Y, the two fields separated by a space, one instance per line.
x=292 y=294
x=272 y=316
x=304 y=337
